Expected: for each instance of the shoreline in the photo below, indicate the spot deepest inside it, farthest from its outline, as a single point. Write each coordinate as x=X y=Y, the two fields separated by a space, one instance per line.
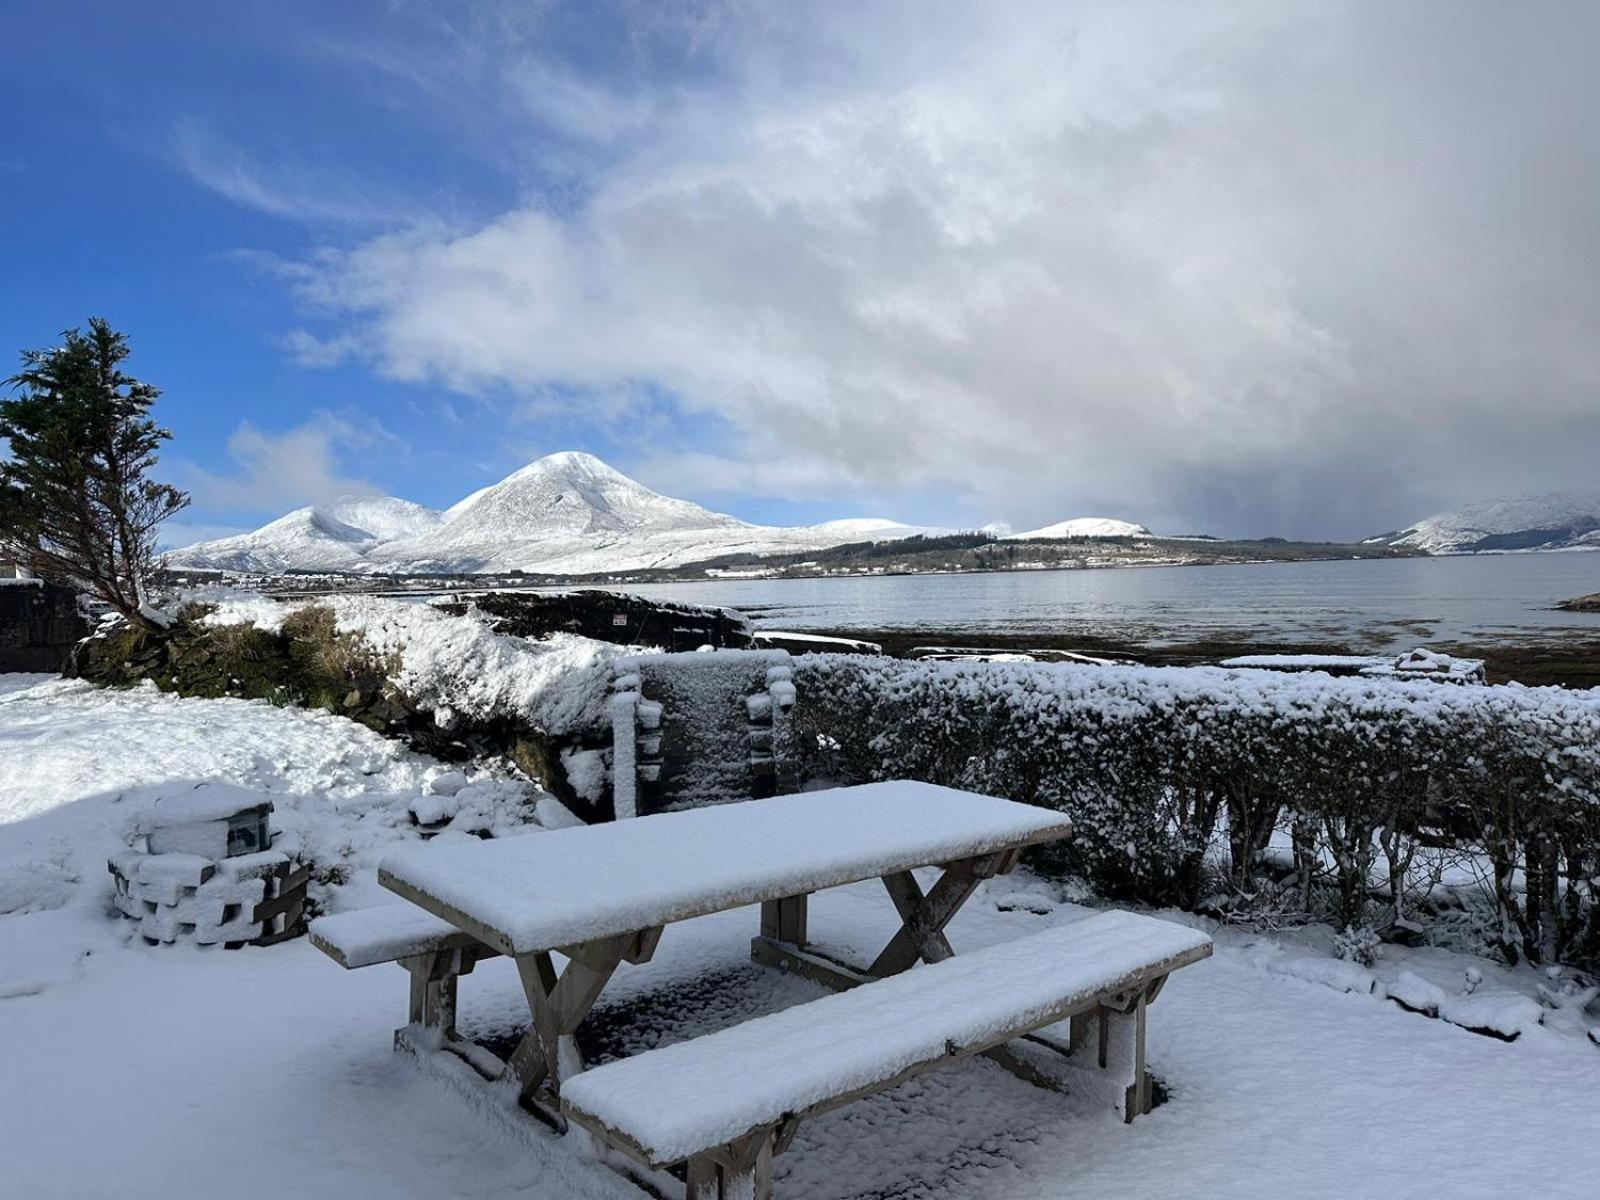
x=1572 y=663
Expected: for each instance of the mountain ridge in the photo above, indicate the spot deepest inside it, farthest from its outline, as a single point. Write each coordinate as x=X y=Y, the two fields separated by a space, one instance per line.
x=568 y=513
x=565 y=513
x=1563 y=520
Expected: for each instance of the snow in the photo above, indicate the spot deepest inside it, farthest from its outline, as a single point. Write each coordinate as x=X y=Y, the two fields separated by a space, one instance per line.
x=1503 y=1014
x=447 y=783
x=1553 y=520
x=576 y=885
x=270 y=1069
x=1304 y=662
x=330 y=537
x=1334 y=973
x=567 y=513
x=780 y=639
x=1414 y=992
x=82 y=769
x=204 y=802
x=697 y=1095
x=1084 y=527
x=450 y=664
x=382 y=933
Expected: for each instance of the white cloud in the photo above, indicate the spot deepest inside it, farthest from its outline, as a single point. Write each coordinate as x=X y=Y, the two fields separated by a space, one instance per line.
x=274 y=472
x=285 y=188
x=1263 y=268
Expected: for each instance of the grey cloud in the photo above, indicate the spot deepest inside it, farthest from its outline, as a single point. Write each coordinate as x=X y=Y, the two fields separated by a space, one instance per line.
x=1261 y=268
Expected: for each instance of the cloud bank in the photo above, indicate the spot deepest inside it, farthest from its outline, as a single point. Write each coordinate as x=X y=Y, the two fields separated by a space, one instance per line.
x=1255 y=269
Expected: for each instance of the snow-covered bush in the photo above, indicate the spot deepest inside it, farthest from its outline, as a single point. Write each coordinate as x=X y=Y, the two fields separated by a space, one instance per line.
x=1152 y=763
x=1358 y=944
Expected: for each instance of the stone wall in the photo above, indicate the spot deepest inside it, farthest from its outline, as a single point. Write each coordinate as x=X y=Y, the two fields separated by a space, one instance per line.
x=39 y=624
x=612 y=617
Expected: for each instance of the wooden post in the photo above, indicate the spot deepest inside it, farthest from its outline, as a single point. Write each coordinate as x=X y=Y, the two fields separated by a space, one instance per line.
x=433 y=989
x=785 y=920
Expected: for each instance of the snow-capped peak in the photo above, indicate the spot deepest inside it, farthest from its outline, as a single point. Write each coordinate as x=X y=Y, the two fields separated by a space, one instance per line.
x=332 y=537
x=1085 y=527
x=1548 y=521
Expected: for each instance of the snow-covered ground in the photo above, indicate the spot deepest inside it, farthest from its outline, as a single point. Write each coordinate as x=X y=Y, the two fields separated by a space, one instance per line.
x=178 y=1071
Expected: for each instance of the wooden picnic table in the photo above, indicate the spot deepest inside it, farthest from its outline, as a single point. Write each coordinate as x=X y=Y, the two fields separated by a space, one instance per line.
x=601 y=895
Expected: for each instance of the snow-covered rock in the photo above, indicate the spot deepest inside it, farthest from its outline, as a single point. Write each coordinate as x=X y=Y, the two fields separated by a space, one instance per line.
x=1553 y=521
x=1412 y=991
x=1505 y=1015
x=1335 y=973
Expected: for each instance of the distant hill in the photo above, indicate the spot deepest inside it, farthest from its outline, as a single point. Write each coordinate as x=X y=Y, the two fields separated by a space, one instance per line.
x=567 y=513
x=1077 y=527
x=1553 y=521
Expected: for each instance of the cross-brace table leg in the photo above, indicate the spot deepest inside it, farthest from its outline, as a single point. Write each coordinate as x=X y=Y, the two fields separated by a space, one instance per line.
x=783 y=940
x=548 y=1051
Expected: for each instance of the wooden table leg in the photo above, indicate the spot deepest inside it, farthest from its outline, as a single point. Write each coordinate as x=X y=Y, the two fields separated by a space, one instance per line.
x=924 y=917
x=558 y=1004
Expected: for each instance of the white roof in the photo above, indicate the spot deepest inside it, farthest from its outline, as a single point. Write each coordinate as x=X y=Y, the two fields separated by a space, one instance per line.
x=554 y=889
x=688 y=1097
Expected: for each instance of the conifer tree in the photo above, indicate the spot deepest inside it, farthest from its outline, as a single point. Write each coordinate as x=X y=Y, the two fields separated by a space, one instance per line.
x=76 y=504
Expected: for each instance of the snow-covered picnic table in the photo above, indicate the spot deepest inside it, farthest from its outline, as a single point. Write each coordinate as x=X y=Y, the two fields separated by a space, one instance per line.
x=601 y=895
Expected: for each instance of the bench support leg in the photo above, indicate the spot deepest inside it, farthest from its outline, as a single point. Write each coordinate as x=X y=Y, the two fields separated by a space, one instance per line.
x=433 y=989
x=1106 y=1061
x=741 y=1171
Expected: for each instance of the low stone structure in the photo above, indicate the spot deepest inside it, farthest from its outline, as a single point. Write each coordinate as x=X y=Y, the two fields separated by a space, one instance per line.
x=39 y=623
x=612 y=617
x=206 y=872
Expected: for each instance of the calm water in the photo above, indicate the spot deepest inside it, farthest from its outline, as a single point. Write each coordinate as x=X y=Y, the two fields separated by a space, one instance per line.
x=1373 y=605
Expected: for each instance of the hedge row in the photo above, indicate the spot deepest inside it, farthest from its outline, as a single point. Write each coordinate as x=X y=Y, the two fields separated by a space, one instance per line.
x=1157 y=765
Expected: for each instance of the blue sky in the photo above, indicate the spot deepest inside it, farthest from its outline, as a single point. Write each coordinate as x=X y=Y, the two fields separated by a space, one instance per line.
x=109 y=112
x=1250 y=268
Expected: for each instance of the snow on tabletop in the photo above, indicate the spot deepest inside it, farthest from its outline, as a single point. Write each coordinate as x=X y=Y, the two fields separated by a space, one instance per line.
x=575 y=885
x=379 y=934
x=689 y=1097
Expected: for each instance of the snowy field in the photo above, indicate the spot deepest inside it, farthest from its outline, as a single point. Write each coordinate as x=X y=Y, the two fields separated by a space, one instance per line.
x=179 y=1071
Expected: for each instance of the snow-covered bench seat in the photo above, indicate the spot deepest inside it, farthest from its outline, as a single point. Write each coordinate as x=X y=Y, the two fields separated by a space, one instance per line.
x=727 y=1102
x=384 y=933
x=434 y=951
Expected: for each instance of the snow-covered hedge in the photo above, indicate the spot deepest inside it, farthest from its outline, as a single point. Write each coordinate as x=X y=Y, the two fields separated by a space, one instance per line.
x=1152 y=764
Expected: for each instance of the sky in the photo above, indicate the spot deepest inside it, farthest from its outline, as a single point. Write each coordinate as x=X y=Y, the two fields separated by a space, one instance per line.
x=1297 y=269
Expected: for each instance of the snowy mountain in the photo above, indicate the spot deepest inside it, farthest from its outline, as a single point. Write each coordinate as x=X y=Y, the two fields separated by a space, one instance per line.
x=567 y=513
x=874 y=529
x=329 y=537
x=1554 y=521
x=1085 y=527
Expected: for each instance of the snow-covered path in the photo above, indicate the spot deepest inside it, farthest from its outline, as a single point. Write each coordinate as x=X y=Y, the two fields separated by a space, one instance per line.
x=181 y=1072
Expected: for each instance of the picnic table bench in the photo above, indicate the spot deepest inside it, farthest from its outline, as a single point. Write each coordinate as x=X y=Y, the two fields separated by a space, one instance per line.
x=722 y=1105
